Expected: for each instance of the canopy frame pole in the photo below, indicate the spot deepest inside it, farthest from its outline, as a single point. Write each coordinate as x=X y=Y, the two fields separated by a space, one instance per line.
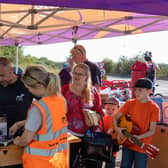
x=12 y=26
x=148 y=24
x=17 y=56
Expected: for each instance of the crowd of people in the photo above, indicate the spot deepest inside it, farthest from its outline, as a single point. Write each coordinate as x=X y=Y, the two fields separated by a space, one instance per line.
x=49 y=108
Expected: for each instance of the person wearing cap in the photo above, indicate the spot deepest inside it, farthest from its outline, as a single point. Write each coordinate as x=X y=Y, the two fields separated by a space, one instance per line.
x=78 y=53
x=144 y=114
x=111 y=106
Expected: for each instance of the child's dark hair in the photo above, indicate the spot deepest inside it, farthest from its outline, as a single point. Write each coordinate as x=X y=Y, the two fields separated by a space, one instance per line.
x=143 y=83
x=147 y=56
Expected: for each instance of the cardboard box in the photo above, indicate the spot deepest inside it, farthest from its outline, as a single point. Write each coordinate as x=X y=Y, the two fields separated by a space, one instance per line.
x=11 y=155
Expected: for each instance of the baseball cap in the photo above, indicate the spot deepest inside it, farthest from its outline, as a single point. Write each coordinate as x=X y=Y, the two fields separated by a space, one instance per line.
x=143 y=83
x=111 y=100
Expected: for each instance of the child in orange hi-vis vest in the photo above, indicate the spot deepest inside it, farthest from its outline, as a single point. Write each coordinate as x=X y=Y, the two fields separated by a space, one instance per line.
x=144 y=114
x=111 y=107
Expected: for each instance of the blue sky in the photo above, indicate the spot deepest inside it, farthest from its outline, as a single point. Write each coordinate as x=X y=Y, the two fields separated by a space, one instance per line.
x=113 y=48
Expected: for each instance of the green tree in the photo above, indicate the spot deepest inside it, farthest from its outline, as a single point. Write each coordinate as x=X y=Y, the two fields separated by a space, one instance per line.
x=10 y=52
x=163 y=73
x=125 y=68
x=109 y=65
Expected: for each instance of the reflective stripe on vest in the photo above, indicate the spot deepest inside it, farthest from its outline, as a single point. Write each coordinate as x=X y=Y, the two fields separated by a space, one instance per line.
x=45 y=152
x=48 y=116
x=50 y=135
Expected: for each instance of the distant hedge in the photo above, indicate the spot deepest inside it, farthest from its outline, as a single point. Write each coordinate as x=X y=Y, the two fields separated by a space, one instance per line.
x=25 y=60
x=120 y=68
x=123 y=67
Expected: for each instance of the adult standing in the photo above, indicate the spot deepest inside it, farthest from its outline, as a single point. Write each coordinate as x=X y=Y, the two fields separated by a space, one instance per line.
x=15 y=99
x=152 y=69
x=45 y=134
x=78 y=53
x=80 y=95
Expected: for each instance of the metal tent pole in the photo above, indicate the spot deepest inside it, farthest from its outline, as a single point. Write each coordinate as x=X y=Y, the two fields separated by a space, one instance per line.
x=17 y=59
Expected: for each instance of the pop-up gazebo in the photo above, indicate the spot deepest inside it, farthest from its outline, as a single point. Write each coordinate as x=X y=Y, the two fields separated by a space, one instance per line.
x=26 y=23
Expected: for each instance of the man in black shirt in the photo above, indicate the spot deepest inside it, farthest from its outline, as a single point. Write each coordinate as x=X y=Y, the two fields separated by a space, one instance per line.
x=14 y=96
x=78 y=53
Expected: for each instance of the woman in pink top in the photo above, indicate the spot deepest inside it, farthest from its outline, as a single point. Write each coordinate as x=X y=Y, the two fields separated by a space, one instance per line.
x=80 y=95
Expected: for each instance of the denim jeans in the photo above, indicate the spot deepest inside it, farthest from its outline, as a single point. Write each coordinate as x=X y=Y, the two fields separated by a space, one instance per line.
x=129 y=157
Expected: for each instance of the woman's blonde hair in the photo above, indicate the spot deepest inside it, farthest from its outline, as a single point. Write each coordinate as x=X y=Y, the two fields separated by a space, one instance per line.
x=38 y=75
x=86 y=93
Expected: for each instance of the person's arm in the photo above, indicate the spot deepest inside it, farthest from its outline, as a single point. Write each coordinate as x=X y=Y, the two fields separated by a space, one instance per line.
x=33 y=123
x=25 y=139
x=156 y=67
x=150 y=132
x=116 y=128
x=97 y=105
x=16 y=126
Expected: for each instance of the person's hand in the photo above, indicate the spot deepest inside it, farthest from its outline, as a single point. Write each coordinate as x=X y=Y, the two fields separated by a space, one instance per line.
x=13 y=129
x=136 y=136
x=120 y=135
x=16 y=141
x=88 y=122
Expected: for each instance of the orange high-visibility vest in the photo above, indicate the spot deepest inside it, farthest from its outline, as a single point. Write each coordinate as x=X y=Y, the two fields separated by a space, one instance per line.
x=50 y=142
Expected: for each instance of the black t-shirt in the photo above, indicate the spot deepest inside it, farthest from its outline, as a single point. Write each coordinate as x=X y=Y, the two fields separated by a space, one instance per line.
x=150 y=73
x=15 y=101
x=95 y=72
